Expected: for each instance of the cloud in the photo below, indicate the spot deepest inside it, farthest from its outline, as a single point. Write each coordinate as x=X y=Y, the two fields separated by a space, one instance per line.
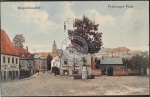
x=93 y=14
x=129 y=29
x=37 y=17
x=39 y=48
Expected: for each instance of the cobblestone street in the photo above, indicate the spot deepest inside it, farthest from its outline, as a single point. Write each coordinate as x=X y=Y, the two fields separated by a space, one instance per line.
x=49 y=85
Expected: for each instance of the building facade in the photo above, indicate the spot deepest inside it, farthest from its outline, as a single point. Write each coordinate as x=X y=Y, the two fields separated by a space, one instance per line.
x=40 y=63
x=9 y=59
x=26 y=60
x=108 y=65
x=55 y=62
x=69 y=67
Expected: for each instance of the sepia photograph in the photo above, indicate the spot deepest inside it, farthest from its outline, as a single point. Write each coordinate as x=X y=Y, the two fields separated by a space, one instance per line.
x=74 y=48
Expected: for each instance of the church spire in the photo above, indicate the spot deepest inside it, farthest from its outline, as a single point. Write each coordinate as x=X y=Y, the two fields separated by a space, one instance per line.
x=54 y=48
x=54 y=42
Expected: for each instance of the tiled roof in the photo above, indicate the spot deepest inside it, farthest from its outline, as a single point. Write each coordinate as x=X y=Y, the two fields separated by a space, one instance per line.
x=23 y=51
x=6 y=45
x=111 y=61
x=121 y=49
x=45 y=54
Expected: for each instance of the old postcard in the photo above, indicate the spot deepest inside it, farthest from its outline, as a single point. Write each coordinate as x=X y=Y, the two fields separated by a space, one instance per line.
x=74 y=48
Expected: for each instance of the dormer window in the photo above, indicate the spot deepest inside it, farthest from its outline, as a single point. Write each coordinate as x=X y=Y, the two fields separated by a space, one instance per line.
x=23 y=55
x=29 y=55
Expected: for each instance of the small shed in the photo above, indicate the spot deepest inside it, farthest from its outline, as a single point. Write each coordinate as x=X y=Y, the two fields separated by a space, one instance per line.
x=109 y=64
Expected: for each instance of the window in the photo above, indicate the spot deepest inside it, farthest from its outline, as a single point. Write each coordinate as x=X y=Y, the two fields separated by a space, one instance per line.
x=65 y=61
x=56 y=64
x=8 y=59
x=3 y=59
x=16 y=61
x=12 y=60
x=23 y=55
x=29 y=55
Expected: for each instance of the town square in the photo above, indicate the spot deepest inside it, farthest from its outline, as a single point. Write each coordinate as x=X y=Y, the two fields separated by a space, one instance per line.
x=74 y=48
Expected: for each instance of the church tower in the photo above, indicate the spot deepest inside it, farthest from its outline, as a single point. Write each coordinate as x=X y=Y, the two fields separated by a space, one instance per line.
x=54 y=48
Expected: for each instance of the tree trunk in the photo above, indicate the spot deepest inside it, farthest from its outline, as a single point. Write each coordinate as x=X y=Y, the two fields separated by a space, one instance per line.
x=92 y=61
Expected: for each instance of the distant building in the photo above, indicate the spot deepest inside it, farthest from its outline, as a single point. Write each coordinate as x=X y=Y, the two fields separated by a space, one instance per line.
x=118 y=52
x=104 y=52
x=9 y=59
x=112 y=52
x=55 y=52
x=67 y=65
x=26 y=60
x=55 y=62
x=40 y=63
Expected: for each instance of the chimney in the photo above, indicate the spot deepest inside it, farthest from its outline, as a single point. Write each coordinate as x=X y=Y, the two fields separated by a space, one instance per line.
x=27 y=48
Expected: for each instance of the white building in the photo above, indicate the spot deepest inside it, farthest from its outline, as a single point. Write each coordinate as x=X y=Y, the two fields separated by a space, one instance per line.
x=104 y=52
x=68 y=64
x=55 y=62
x=9 y=59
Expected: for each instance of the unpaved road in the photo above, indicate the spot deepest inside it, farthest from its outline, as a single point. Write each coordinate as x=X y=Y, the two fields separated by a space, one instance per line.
x=49 y=85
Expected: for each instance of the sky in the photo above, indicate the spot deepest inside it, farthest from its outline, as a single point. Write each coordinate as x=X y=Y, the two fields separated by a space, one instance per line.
x=121 y=27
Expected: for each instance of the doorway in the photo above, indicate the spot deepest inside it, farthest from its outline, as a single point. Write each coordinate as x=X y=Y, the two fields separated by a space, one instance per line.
x=110 y=71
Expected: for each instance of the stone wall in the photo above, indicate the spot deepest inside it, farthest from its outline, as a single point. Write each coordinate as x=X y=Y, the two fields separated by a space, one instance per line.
x=125 y=72
x=96 y=72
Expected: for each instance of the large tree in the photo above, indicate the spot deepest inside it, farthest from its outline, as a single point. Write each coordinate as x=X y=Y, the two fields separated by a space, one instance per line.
x=18 y=40
x=88 y=30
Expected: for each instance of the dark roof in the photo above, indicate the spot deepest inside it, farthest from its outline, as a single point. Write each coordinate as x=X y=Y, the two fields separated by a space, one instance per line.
x=111 y=61
x=6 y=45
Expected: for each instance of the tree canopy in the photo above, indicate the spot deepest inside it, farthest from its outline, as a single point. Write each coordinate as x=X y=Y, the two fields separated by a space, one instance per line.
x=88 y=30
x=137 y=62
x=18 y=40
